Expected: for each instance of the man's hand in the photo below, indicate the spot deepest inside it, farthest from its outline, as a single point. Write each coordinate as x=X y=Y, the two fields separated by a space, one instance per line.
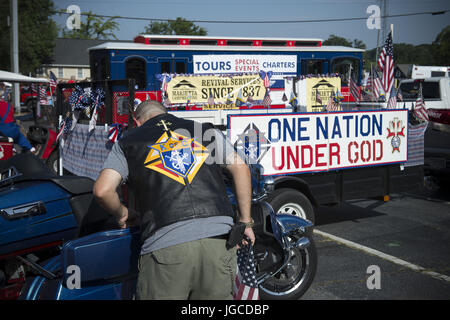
x=105 y=192
x=129 y=218
x=250 y=235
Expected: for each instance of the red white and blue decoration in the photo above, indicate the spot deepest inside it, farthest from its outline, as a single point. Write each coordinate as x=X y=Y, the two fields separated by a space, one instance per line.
x=115 y=132
x=245 y=285
x=266 y=77
x=97 y=97
x=79 y=100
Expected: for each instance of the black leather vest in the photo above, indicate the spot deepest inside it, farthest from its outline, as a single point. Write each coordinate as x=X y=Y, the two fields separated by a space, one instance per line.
x=169 y=174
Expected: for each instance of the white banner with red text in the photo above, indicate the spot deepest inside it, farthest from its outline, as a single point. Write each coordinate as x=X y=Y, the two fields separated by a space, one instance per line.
x=313 y=142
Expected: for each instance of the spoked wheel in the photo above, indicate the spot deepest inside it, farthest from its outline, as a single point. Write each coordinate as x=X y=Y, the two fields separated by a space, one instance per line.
x=294 y=209
x=293 y=281
x=290 y=201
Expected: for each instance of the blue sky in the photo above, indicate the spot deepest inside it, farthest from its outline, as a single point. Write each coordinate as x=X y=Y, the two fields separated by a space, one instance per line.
x=417 y=29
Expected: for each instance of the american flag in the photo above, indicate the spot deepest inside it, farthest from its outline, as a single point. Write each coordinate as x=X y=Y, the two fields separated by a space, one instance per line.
x=419 y=110
x=64 y=127
x=211 y=100
x=165 y=99
x=43 y=95
x=399 y=95
x=266 y=81
x=53 y=81
x=392 y=102
x=354 y=89
x=245 y=285
x=318 y=97
x=386 y=64
x=164 y=84
x=332 y=105
x=365 y=96
x=267 y=101
x=374 y=84
x=61 y=129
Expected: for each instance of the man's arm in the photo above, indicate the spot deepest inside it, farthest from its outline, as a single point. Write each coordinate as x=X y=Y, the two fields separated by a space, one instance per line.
x=105 y=191
x=243 y=187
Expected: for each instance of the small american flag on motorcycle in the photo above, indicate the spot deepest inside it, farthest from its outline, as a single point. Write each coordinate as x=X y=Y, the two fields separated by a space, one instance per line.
x=245 y=285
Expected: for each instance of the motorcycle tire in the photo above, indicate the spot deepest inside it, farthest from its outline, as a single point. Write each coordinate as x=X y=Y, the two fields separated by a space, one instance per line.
x=295 y=279
x=291 y=201
x=53 y=162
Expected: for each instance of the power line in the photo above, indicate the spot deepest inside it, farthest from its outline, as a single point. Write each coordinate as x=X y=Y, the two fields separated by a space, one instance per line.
x=259 y=22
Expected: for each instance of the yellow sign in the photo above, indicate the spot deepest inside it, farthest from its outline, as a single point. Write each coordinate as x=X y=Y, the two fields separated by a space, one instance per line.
x=318 y=92
x=216 y=92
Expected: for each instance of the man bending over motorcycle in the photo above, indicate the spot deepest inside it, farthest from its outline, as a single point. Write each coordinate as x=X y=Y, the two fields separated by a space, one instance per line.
x=185 y=215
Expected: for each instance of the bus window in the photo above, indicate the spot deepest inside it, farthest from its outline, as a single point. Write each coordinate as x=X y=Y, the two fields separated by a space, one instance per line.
x=180 y=67
x=312 y=66
x=165 y=67
x=173 y=66
x=100 y=68
x=342 y=66
x=135 y=69
x=437 y=74
x=430 y=90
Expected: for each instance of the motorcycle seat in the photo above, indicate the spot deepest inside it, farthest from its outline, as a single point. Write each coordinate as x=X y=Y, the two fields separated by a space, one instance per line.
x=32 y=168
x=74 y=185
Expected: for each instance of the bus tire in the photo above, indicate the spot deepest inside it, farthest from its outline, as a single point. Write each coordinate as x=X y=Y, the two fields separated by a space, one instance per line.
x=291 y=201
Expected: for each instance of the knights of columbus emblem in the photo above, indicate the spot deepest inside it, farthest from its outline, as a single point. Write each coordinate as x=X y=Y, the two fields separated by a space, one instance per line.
x=253 y=143
x=395 y=131
x=176 y=156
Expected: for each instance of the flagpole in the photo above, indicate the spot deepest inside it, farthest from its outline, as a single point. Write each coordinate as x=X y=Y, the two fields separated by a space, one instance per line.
x=392 y=34
x=349 y=89
x=60 y=162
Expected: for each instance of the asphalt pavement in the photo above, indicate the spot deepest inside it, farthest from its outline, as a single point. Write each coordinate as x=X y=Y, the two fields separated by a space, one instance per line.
x=375 y=250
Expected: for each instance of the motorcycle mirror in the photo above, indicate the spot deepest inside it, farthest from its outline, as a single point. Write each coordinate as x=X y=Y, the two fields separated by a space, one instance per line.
x=269 y=184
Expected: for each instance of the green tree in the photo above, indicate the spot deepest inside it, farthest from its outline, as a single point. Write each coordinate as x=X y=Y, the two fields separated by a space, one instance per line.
x=180 y=26
x=441 y=47
x=93 y=27
x=334 y=40
x=359 y=44
x=405 y=53
x=37 y=34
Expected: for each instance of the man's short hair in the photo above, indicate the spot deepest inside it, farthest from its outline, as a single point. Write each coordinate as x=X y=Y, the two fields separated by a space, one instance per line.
x=147 y=109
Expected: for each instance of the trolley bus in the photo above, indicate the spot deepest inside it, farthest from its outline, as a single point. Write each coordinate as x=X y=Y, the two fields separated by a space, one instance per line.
x=150 y=55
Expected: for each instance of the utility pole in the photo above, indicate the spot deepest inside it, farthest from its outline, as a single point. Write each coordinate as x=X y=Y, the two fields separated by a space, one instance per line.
x=383 y=4
x=384 y=21
x=15 y=52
